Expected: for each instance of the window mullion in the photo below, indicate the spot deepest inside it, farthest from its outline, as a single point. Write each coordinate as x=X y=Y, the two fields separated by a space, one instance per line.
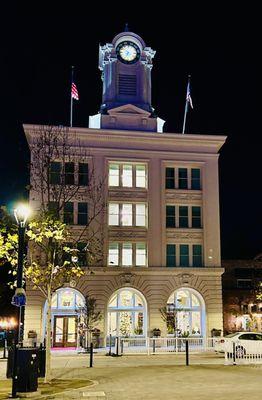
x=190 y=216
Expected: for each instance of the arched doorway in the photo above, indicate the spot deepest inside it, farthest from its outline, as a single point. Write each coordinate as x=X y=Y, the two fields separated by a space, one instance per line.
x=127 y=314
x=187 y=307
x=65 y=309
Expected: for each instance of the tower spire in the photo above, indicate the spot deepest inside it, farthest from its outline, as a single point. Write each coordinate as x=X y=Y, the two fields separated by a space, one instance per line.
x=126 y=27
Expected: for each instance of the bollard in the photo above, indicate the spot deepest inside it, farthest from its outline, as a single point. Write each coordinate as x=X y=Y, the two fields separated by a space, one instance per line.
x=187 y=353
x=234 y=353
x=154 y=346
x=110 y=344
x=5 y=347
x=117 y=345
x=91 y=355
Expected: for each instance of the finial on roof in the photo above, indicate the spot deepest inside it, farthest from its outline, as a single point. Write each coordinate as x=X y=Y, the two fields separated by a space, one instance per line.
x=126 y=27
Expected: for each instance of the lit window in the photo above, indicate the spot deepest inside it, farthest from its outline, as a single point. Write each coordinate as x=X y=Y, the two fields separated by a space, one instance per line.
x=113 y=256
x=127 y=177
x=127 y=253
x=126 y=215
x=113 y=175
x=141 y=176
x=132 y=175
x=140 y=215
x=141 y=254
x=113 y=214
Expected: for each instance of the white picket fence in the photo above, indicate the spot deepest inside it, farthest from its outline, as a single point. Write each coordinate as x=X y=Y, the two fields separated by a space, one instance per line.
x=163 y=345
x=243 y=353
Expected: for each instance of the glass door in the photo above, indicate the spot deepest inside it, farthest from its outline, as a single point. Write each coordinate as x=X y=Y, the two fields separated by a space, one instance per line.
x=65 y=331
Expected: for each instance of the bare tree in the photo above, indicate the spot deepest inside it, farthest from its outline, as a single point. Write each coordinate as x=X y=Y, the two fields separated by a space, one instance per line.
x=89 y=317
x=62 y=171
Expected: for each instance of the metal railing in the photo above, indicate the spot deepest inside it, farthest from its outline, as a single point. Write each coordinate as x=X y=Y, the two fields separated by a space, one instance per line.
x=165 y=345
x=243 y=352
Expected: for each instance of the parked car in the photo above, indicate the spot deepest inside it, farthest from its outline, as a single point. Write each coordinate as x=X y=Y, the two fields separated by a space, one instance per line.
x=245 y=343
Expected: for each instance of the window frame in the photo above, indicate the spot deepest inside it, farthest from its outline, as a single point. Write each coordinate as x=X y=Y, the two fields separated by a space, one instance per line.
x=134 y=175
x=134 y=247
x=135 y=215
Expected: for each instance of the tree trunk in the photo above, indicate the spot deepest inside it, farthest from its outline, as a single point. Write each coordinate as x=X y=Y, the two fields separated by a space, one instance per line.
x=48 y=339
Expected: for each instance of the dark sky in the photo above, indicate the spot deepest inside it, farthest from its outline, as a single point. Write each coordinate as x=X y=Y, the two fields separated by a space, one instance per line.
x=217 y=46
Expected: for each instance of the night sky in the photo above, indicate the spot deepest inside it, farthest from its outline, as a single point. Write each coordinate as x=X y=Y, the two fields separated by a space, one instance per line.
x=217 y=46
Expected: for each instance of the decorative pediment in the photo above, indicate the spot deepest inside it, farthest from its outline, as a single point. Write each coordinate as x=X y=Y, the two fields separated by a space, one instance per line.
x=129 y=109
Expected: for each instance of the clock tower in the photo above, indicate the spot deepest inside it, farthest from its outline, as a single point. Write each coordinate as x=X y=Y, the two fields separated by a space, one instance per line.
x=126 y=66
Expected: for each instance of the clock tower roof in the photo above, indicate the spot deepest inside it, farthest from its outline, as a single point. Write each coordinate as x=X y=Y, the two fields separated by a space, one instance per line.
x=129 y=36
x=126 y=66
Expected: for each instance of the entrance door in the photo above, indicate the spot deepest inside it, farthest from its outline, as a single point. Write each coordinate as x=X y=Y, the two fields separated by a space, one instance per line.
x=65 y=331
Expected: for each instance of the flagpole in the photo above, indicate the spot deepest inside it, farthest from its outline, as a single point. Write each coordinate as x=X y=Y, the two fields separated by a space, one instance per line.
x=71 y=103
x=186 y=106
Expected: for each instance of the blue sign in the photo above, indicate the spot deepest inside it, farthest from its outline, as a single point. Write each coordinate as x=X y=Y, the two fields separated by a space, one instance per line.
x=19 y=300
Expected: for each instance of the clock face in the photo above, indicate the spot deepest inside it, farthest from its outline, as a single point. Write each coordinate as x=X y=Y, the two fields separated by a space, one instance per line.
x=128 y=52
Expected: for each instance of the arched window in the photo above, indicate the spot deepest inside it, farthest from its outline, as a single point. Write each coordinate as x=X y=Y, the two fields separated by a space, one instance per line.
x=66 y=299
x=127 y=313
x=186 y=313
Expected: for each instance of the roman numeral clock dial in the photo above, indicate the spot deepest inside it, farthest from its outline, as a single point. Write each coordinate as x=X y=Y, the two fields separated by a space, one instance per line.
x=128 y=52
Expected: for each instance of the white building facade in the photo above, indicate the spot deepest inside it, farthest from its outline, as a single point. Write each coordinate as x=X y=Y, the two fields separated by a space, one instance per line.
x=161 y=226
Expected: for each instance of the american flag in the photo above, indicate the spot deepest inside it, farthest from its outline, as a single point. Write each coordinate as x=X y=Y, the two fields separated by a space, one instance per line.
x=188 y=96
x=74 y=92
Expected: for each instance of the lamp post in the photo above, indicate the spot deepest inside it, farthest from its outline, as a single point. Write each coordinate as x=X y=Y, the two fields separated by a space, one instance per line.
x=19 y=299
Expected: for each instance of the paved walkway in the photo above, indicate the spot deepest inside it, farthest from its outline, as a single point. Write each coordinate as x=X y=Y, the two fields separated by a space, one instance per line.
x=160 y=377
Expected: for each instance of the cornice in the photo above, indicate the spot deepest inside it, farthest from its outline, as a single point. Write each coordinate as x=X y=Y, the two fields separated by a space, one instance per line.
x=152 y=140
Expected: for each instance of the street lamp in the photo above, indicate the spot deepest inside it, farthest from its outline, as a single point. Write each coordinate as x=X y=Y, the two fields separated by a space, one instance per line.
x=19 y=299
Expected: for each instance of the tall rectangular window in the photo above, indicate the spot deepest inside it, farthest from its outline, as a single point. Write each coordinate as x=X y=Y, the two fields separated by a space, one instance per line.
x=170 y=178
x=183 y=217
x=196 y=217
x=141 y=255
x=171 y=255
x=195 y=179
x=55 y=173
x=82 y=252
x=113 y=214
x=127 y=176
x=69 y=213
x=170 y=216
x=69 y=173
x=53 y=208
x=197 y=255
x=82 y=174
x=127 y=254
x=182 y=178
x=140 y=214
x=113 y=179
x=127 y=215
x=82 y=214
x=184 y=255
x=113 y=254
x=141 y=176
